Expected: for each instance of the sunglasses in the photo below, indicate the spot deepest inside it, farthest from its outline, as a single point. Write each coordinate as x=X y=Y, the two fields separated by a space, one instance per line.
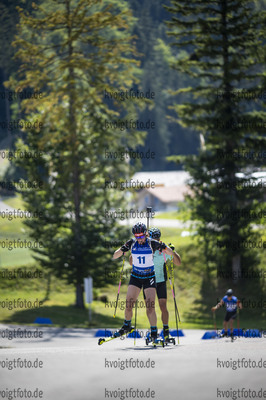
x=140 y=236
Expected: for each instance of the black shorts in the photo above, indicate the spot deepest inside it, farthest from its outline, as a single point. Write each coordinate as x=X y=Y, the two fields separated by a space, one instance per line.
x=230 y=315
x=160 y=289
x=143 y=282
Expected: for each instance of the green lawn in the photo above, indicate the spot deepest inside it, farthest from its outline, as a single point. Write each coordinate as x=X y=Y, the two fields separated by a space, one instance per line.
x=14 y=202
x=183 y=214
x=194 y=300
x=13 y=229
x=195 y=291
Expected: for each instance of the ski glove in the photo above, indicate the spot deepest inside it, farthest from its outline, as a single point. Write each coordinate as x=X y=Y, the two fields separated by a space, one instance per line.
x=162 y=247
x=124 y=248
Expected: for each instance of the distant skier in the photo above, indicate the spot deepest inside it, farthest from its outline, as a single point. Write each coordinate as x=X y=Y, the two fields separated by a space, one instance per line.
x=143 y=275
x=232 y=303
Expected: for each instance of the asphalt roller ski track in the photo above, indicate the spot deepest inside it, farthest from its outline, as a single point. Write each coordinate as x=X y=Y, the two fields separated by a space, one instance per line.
x=76 y=368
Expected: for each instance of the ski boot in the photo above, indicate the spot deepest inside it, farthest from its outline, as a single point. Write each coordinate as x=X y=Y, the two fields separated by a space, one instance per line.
x=166 y=336
x=155 y=340
x=124 y=330
x=224 y=334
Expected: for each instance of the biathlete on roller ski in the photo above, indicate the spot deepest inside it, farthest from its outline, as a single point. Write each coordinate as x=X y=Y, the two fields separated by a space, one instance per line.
x=142 y=276
x=161 y=278
x=232 y=303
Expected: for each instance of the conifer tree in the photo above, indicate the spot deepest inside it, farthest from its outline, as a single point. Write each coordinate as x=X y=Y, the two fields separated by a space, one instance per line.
x=224 y=40
x=73 y=52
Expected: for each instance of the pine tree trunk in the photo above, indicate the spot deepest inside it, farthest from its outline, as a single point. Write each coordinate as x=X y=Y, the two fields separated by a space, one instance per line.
x=7 y=107
x=75 y=168
x=236 y=268
x=79 y=296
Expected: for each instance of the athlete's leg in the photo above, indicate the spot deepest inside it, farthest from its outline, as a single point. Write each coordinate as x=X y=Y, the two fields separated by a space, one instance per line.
x=225 y=326
x=132 y=295
x=150 y=305
x=163 y=308
x=162 y=298
x=231 y=322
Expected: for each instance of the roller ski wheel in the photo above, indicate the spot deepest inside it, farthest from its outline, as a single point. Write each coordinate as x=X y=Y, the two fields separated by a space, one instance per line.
x=148 y=339
x=153 y=341
x=169 y=340
x=101 y=341
x=157 y=342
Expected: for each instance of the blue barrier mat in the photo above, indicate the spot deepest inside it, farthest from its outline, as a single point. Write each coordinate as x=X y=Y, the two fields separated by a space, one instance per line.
x=210 y=335
x=252 y=333
x=173 y=333
x=236 y=332
x=103 y=333
x=41 y=320
x=134 y=334
x=249 y=333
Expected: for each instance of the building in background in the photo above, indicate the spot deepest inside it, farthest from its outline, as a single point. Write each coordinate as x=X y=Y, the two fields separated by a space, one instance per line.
x=162 y=190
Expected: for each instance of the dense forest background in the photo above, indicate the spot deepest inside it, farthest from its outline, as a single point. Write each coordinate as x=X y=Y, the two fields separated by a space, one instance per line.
x=155 y=53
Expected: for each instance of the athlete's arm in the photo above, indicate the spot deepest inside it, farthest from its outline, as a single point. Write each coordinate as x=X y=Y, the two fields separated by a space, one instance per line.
x=239 y=304
x=168 y=251
x=130 y=259
x=118 y=253
x=123 y=249
x=161 y=247
x=218 y=305
x=176 y=259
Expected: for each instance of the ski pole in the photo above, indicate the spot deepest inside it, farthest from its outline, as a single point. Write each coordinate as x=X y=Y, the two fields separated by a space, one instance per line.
x=119 y=286
x=172 y=288
x=148 y=217
x=238 y=316
x=136 y=307
x=173 y=280
x=172 y=271
x=214 y=320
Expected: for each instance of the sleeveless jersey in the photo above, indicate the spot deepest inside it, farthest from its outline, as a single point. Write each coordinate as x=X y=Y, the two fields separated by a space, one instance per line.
x=159 y=268
x=142 y=256
x=231 y=305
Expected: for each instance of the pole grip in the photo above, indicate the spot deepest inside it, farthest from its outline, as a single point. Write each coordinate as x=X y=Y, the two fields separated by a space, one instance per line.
x=148 y=216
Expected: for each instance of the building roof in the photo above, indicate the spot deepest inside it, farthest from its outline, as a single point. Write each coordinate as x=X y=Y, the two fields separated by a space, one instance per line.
x=168 y=194
x=165 y=178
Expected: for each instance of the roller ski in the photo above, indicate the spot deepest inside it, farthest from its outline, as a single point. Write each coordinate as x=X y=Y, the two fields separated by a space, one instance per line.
x=153 y=340
x=227 y=334
x=125 y=330
x=168 y=339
